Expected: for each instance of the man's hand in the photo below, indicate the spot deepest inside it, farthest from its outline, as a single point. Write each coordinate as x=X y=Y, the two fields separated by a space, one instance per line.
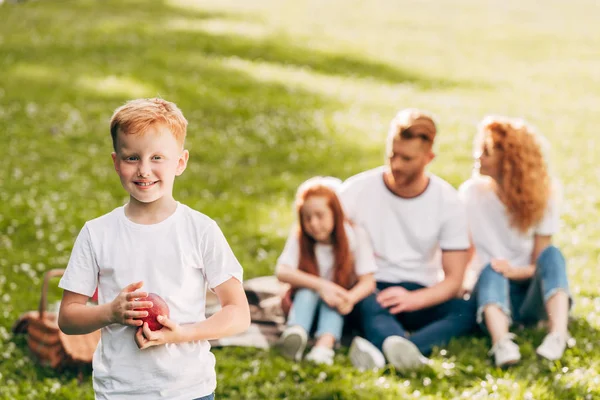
x=398 y=300
x=169 y=333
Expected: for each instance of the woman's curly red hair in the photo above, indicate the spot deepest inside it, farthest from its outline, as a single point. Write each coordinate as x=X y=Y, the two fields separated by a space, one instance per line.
x=525 y=181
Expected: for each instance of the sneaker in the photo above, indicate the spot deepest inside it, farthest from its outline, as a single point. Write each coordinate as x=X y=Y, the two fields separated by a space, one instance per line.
x=320 y=355
x=293 y=342
x=364 y=355
x=403 y=354
x=506 y=352
x=553 y=346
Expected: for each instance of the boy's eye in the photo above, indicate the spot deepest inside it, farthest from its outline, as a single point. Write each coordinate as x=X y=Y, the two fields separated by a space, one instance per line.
x=157 y=158
x=131 y=158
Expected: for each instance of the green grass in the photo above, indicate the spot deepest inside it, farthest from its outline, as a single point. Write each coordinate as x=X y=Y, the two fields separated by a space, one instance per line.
x=276 y=92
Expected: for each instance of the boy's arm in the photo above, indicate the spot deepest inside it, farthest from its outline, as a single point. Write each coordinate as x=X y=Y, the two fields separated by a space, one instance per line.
x=231 y=319
x=75 y=317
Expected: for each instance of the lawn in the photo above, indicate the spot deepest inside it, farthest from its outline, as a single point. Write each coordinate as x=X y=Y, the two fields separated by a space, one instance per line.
x=276 y=92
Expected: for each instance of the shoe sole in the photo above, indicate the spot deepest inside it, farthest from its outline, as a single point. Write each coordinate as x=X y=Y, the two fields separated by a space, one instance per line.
x=509 y=363
x=361 y=359
x=402 y=354
x=292 y=346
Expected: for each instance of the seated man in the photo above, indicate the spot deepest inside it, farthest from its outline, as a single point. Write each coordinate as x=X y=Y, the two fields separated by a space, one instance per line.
x=410 y=215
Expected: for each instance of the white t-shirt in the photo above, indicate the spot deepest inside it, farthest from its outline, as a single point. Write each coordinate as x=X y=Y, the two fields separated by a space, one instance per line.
x=176 y=259
x=491 y=232
x=358 y=241
x=406 y=234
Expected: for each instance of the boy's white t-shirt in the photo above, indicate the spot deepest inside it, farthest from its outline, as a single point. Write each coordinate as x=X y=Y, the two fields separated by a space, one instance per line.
x=177 y=259
x=406 y=233
x=491 y=232
x=358 y=241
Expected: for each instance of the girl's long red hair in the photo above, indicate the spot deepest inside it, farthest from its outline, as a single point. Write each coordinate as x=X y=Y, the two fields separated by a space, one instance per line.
x=343 y=269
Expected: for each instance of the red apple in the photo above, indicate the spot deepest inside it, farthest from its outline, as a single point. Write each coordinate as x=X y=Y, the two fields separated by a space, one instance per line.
x=159 y=307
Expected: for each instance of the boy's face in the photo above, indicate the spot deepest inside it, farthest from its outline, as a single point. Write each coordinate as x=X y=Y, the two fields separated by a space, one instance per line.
x=148 y=163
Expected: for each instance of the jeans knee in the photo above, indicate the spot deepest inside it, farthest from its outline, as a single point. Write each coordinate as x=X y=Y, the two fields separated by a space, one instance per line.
x=551 y=253
x=551 y=259
x=489 y=273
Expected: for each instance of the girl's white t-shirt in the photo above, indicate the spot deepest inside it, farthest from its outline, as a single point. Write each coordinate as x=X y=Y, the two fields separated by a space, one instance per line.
x=359 y=244
x=491 y=232
x=178 y=259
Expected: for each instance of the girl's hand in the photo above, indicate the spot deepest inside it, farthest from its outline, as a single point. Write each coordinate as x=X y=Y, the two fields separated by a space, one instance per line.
x=124 y=309
x=169 y=333
x=345 y=307
x=332 y=294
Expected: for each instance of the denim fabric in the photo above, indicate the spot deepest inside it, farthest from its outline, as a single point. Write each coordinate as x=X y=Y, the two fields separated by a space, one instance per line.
x=304 y=308
x=523 y=301
x=433 y=326
x=209 y=397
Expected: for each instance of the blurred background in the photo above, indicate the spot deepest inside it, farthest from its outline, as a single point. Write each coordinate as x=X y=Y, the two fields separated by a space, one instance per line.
x=276 y=92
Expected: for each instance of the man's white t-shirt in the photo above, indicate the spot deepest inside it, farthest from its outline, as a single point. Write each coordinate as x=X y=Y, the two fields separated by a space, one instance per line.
x=491 y=232
x=406 y=233
x=177 y=259
x=358 y=241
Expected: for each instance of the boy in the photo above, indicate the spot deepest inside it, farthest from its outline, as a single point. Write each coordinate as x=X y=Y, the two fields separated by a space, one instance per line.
x=165 y=247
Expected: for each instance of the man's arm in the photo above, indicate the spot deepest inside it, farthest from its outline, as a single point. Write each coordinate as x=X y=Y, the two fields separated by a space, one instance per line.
x=454 y=263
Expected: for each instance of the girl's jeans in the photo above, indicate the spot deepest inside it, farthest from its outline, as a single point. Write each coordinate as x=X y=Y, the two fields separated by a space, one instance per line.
x=523 y=301
x=306 y=304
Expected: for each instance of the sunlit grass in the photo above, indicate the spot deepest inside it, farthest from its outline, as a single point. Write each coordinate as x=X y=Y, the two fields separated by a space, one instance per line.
x=276 y=92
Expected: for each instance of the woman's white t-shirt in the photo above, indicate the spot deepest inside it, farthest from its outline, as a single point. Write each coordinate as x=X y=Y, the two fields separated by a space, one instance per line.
x=177 y=259
x=358 y=241
x=491 y=232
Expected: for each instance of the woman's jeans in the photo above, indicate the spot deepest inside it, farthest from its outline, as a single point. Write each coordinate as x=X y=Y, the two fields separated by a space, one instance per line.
x=209 y=397
x=523 y=301
x=304 y=308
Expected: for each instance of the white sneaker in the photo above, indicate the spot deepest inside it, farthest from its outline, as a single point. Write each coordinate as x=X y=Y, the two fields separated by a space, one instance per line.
x=553 y=346
x=293 y=342
x=320 y=355
x=506 y=352
x=364 y=355
x=403 y=354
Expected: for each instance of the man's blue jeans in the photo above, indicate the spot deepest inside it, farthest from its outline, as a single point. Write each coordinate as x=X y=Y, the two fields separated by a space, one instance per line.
x=523 y=301
x=303 y=311
x=433 y=326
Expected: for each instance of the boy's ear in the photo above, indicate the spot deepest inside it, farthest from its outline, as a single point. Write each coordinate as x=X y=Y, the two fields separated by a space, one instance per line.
x=114 y=158
x=182 y=164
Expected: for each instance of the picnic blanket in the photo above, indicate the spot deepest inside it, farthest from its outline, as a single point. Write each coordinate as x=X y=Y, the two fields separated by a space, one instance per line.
x=268 y=318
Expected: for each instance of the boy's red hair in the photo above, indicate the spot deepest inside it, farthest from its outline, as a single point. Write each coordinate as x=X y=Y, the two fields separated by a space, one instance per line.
x=343 y=269
x=136 y=116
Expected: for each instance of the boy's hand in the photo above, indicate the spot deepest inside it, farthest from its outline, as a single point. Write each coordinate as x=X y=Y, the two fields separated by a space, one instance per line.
x=332 y=294
x=123 y=307
x=169 y=333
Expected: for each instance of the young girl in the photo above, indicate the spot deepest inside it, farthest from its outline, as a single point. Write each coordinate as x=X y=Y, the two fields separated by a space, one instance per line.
x=512 y=211
x=330 y=263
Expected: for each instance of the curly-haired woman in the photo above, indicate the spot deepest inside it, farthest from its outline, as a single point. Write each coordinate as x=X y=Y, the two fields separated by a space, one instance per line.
x=512 y=212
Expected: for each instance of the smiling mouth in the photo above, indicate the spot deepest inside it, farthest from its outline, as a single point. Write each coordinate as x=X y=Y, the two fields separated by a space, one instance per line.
x=145 y=184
